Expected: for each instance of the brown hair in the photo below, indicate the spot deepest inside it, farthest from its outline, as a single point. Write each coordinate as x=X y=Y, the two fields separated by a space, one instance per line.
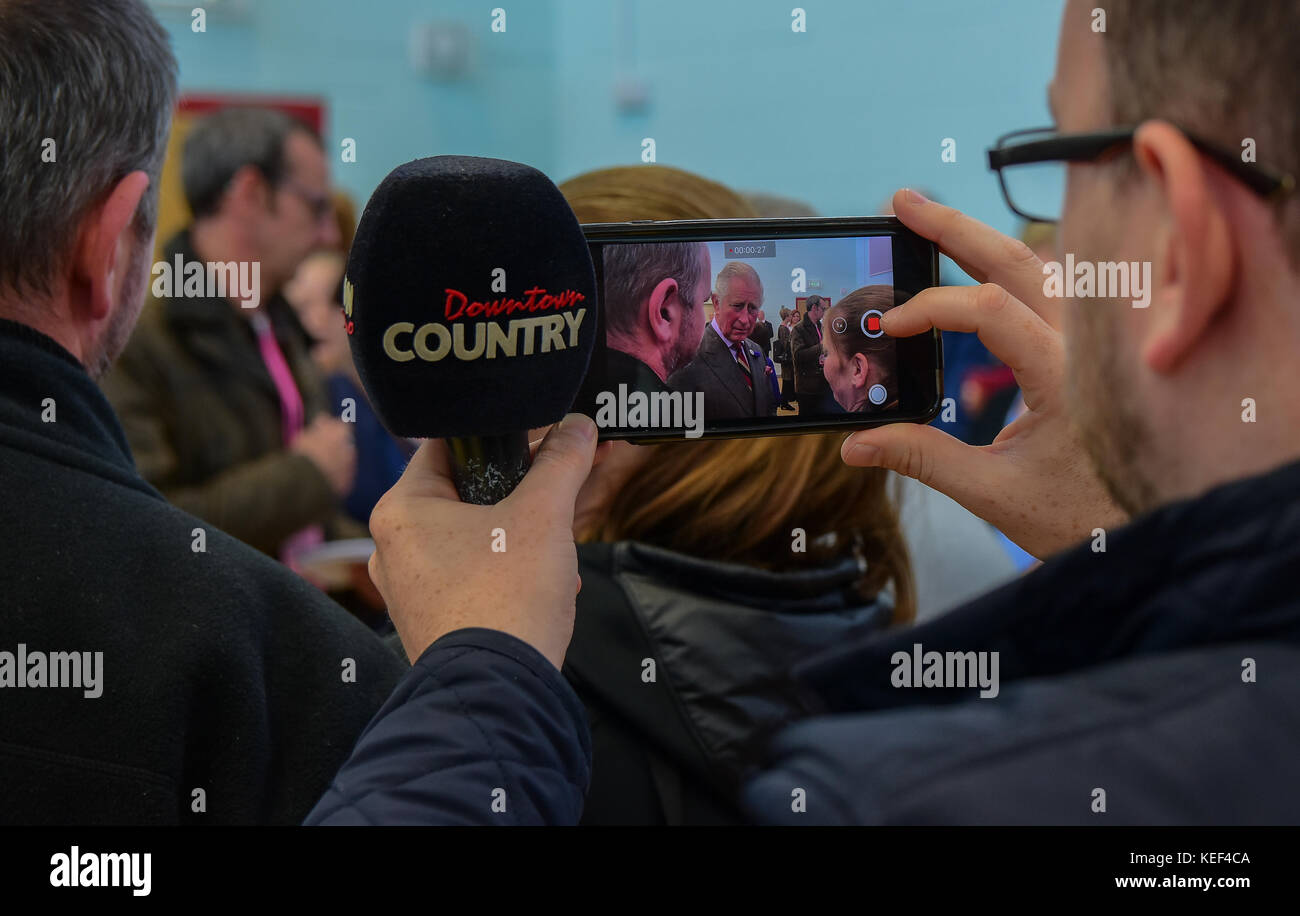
x=1225 y=69
x=852 y=338
x=739 y=500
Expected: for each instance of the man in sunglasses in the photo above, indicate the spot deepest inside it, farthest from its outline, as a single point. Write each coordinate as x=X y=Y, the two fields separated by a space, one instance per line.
x=221 y=404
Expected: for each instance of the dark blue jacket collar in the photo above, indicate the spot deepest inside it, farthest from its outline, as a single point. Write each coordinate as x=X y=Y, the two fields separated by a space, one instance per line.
x=1216 y=569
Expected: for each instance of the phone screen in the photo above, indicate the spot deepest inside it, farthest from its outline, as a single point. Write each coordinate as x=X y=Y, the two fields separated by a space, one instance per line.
x=776 y=330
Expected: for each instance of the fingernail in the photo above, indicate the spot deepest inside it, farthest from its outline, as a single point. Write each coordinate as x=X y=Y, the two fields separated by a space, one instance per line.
x=863 y=454
x=578 y=423
x=916 y=197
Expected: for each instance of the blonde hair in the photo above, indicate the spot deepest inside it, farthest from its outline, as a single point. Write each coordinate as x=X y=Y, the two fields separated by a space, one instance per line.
x=738 y=500
x=651 y=192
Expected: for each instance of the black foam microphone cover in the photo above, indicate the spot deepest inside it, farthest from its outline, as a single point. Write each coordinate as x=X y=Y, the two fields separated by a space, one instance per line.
x=470 y=304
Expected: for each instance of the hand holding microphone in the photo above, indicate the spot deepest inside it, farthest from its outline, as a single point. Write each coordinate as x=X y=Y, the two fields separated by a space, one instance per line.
x=470 y=304
x=434 y=560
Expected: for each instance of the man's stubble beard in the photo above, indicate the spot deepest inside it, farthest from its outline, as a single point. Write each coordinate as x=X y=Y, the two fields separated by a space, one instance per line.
x=125 y=313
x=686 y=345
x=1099 y=397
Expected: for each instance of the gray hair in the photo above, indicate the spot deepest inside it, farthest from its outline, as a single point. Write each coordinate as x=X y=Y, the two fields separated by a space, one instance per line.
x=223 y=143
x=736 y=269
x=92 y=86
x=633 y=270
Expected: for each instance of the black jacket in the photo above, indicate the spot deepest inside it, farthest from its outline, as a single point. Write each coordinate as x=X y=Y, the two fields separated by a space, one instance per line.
x=624 y=368
x=1164 y=671
x=723 y=639
x=222 y=670
x=762 y=335
x=716 y=373
x=805 y=351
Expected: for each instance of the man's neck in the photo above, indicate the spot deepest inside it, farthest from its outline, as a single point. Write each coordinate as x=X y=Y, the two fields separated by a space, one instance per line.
x=647 y=355
x=215 y=240
x=46 y=316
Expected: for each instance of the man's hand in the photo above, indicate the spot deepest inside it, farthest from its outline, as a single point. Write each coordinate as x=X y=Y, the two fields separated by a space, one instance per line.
x=434 y=560
x=328 y=442
x=1035 y=482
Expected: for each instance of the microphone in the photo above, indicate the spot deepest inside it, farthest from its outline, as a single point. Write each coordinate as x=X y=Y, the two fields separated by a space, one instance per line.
x=470 y=305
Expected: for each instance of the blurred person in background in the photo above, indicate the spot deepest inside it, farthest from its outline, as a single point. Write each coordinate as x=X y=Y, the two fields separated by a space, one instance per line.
x=815 y=397
x=688 y=558
x=762 y=334
x=224 y=410
x=781 y=353
x=316 y=294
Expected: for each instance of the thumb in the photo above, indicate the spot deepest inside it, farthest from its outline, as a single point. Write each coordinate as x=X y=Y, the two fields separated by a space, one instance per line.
x=938 y=460
x=562 y=463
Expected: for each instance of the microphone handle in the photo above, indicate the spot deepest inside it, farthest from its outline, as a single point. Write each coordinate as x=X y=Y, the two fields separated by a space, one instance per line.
x=486 y=469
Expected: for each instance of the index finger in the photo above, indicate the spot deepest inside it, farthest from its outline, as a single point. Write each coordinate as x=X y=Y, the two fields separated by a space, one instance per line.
x=427 y=474
x=1007 y=327
x=980 y=250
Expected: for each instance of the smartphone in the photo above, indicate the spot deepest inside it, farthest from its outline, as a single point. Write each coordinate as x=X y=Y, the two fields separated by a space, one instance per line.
x=690 y=340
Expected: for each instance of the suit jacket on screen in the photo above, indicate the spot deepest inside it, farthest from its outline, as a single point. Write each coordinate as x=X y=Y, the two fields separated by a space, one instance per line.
x=715 y=372
x=806 y=347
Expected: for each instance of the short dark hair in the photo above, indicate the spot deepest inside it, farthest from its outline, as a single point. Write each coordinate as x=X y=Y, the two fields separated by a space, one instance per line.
x=1225 y=69
x=224 y=142
x=633 y=270
x=94 y=84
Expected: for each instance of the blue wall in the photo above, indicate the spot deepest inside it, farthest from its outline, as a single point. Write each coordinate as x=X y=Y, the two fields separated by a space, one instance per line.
x=833 y=268
x=838 y=116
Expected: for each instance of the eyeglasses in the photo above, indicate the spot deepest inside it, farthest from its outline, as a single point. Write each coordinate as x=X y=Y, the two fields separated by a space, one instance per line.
x=319 y=204
x=1031 y=167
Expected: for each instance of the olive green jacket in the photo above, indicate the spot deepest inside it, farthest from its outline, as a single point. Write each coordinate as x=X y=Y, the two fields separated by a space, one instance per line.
x=202 y=415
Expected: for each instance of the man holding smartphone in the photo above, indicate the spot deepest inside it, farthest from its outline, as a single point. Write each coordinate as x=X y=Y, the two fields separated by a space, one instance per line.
x=1148 y=672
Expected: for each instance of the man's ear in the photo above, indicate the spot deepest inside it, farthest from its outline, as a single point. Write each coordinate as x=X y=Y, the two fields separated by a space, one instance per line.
x=103 y=248
x=1197 y=258
x=659 y=313
x=249 y=190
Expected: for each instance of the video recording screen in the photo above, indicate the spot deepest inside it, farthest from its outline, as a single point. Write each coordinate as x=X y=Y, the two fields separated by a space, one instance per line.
x=733 y=333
